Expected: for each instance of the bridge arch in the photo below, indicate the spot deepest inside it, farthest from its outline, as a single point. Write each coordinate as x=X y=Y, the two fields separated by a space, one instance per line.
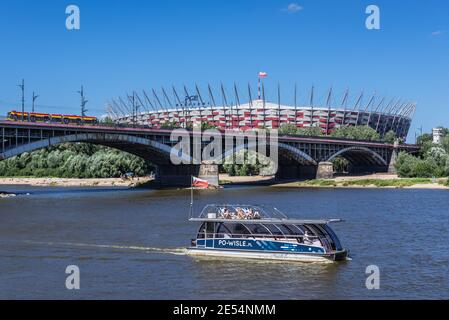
x=283 y=150
x=357 y=154
x=147 y=149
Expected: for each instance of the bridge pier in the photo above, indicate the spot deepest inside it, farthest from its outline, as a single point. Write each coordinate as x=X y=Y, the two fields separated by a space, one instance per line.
x=180 y=176
x=325 y=170
x=210 y=173
x=394 y=156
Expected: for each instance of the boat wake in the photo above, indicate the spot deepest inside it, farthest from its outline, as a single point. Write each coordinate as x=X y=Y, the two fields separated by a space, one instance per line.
x=173 y=251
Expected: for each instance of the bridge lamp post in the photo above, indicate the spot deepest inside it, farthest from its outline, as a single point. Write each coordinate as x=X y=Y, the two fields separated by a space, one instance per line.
x=84 y=101
x=22 y=87
x=35 y=96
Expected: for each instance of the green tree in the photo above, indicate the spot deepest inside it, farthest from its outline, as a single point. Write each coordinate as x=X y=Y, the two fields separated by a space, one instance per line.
x=357 y=133
x=74 y=161
x=390 y=137
x=341 y=165
x=288 y=129
x=310 y=131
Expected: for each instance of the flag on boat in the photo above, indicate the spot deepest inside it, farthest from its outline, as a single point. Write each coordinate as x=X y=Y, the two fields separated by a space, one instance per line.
x=263 y=75
x=200 y=183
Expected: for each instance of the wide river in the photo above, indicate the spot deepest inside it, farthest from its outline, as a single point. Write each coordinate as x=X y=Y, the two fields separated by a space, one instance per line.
x=129 y=244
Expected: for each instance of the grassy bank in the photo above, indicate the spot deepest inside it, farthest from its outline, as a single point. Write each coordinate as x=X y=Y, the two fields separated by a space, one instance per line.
x=378 y=183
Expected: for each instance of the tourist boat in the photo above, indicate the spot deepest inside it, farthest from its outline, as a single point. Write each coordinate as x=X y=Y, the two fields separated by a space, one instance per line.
x=254 y=232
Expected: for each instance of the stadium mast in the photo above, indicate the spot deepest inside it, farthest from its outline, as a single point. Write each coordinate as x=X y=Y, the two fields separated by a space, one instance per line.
x=264 y=107
x=311 y=106
x=250 y=106
x=181 y=105
x=296 y=105
x=167 y=99
x=225 y=101
x=212 y=101
x=202 y=104
x=328 y=104
x=237 y=99
x=279 y=105
x=147 y=99
x=156 y=97
x=344 y=104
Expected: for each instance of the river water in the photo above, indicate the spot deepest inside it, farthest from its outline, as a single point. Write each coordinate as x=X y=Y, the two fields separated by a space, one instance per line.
x=129 y=244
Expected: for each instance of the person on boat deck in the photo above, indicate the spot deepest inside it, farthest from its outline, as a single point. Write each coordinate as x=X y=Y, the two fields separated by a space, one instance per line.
x=227 y=214
x=307 y=239
x=240 y=214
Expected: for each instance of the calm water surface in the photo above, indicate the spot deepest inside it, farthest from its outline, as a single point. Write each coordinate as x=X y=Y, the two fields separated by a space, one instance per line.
x=129 y=245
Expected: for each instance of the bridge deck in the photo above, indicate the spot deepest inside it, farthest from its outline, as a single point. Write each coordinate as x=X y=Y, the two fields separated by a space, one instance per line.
x=162 y=132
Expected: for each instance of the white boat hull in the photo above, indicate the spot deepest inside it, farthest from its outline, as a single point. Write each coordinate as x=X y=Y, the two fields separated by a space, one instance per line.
x=294 y=257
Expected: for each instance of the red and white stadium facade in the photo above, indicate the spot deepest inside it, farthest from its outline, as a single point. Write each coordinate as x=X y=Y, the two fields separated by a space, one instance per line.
x=260 y=114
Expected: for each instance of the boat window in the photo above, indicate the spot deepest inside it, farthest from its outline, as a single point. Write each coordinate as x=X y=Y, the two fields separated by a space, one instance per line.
x=299 y=229
x=310 y=230
x=286 y=229
x=223 y=230
x=326 y=235
x=202 y=231
x=273 y=229
x=334 y=237
x=258 y=229
x=233 y=229
x=210 y=229
x=240 y=229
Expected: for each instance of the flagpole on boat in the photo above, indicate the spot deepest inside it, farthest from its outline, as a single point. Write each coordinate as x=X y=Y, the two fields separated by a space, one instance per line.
x=191 y=198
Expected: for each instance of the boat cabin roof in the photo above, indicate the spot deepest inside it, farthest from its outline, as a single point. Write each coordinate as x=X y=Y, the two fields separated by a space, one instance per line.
x=250 y=214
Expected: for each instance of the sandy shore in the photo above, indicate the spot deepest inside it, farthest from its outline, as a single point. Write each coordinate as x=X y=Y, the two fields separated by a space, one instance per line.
x=226 y=179
x=339 y=182
x=61 y=182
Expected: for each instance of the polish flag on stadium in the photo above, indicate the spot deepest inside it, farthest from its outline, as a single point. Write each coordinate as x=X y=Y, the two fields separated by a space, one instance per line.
x=200 y=183
x=263 y=75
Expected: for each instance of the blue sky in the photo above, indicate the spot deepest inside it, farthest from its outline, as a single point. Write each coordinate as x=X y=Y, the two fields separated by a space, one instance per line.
x=133 y=45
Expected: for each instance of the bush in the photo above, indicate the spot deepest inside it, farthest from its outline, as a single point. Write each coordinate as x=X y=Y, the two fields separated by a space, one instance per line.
x=74 y=161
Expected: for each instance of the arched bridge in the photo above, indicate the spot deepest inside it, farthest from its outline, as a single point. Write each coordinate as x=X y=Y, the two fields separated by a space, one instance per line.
x=297 y=156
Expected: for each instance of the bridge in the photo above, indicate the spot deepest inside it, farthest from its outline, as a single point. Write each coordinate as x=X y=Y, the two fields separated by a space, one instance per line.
x=299 y=157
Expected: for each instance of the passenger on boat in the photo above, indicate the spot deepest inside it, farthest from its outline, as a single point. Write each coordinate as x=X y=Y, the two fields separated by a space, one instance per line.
x=240 y=214
x=227 y=214
x=310 y=240
x=306 y=239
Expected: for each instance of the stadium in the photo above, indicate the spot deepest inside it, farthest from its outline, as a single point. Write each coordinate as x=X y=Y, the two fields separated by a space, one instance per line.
x=161 y=110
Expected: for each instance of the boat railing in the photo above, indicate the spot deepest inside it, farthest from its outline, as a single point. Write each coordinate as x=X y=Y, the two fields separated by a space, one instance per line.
x=245 y=212
x=264 y=236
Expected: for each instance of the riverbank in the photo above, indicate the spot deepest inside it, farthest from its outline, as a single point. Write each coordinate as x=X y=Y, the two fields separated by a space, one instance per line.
x=61 y=182
x=373 y=181
x=366 y=181
x=369 y=181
